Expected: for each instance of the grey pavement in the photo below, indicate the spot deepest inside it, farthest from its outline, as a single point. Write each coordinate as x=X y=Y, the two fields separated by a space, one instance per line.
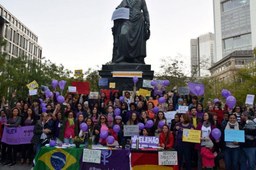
x=18 y=166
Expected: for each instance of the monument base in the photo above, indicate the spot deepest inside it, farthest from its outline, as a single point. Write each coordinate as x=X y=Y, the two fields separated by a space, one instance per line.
x=122 y=74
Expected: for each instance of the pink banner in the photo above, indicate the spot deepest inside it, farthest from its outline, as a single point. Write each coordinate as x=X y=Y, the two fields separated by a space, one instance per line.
x=17 y=135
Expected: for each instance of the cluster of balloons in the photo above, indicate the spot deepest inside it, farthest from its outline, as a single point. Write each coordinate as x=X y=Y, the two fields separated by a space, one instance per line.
x=230 y=100
x=109 y=138
x=159 y=86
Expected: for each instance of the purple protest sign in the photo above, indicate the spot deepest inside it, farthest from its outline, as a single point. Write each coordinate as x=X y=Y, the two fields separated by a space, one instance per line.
x=110 y=159
x=17 y=135
x=145 y=141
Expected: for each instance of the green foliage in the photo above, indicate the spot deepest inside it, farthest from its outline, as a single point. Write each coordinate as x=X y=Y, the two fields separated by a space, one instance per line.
x=92 y=76
x=172 y=70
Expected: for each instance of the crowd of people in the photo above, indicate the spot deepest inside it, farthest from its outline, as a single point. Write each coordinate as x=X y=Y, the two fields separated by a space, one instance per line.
x=62 y=122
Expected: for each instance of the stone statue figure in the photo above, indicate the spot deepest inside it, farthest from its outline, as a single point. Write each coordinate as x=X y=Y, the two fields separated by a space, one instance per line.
x=130 y=35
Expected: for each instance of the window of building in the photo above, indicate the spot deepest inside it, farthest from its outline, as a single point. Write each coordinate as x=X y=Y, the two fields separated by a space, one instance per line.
x=237 y=41
x=1 y=10
x=232 y=4
x=5 y=14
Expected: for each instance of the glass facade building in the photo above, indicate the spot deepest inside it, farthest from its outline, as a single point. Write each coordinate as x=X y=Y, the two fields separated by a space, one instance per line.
x=235 y=26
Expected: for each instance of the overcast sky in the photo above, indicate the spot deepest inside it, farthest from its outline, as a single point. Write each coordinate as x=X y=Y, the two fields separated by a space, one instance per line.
x=77 y=33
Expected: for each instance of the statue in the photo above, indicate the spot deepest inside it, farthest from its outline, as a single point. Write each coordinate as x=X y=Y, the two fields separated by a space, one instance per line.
x=130 y=34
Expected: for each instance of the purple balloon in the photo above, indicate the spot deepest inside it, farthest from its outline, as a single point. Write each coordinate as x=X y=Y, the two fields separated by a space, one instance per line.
x=225 y=93
x=161 y=100
x=196 y=88
x=141 y=126
x=135 y=79
x=62 y=84
x=231 y=101
x=155 y=109
x=52 y=143
x=121 y=98
x=216 y=100
x=117 y=111
x=84 y=127
x=149 y=124
x=166 y=82
x=103 y=134
x=216 y=133
x=110 y=140
x=161 y=124
x=43 y=104
x=153 y=83
x=44 y=109
x=60 y=99
x=57 y=94
x=41 y=100
x=54 y=83
x=116 y=128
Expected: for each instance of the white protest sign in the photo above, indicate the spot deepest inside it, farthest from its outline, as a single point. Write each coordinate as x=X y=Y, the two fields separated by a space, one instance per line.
x=147 y=84
x=168 y=158
x=32 y=92
x=72 y=89
x=121 y=13
x=94 y=95
x=183 y=91
x=92 y=156
x=249 y=99
x=169 y=116
x=131 y=130
x=182 y=109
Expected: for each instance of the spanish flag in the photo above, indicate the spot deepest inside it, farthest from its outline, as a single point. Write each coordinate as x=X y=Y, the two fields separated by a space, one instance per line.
x=56 y=158
x=148 y=161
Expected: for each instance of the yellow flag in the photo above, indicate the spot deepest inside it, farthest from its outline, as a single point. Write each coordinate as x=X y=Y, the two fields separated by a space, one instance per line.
x=33 y=85
x=78 y=73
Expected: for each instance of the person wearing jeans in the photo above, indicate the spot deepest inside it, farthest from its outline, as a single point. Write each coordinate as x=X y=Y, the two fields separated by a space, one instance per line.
x=232 y=149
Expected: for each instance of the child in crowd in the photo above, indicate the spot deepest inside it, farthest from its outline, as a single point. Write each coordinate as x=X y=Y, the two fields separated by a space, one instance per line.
x=207 y=155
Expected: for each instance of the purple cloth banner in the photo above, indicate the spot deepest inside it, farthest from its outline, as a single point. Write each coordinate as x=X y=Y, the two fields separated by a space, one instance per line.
x=17 y=135
x=110 y=159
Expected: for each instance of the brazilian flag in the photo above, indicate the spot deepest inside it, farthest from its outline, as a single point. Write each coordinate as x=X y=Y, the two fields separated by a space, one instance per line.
x=57 y=158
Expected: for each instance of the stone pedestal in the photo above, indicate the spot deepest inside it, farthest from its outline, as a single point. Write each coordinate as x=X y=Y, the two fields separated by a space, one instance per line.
x=122 y=74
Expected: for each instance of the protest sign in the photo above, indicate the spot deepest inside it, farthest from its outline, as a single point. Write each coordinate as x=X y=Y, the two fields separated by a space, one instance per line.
x=145 y=141
x=168 y=158
x=72 y=89
x=103 y=82
x=147 y=84
x=234 y=136
x=82 y=87
x=249 y=99
x=92 y=156
x=18 y=135
x=143 y=92
x=32 y=92
x=94 y=95
x=193 y=136
x=169 y=116
x=183 y=91
x=112 y=85
x=131 y=130
x=121 y=13
x=182 y=109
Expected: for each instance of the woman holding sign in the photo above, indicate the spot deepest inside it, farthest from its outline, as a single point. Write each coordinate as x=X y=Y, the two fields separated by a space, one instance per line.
x=232 y=149
x=184 y=148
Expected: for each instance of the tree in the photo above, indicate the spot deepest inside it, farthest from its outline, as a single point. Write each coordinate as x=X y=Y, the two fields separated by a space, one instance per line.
x=174 y=71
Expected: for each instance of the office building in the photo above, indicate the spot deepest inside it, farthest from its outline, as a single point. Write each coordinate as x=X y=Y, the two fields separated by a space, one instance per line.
x=202 y=55
x=20 y=41
x=235 y=26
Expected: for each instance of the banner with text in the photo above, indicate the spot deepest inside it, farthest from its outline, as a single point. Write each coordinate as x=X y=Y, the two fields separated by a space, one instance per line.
x=145 y=141
x=17 y=135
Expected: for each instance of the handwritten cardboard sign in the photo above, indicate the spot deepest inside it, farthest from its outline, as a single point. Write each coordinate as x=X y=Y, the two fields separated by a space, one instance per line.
x=168 y=158
x=193 y=136
x=92 y=156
